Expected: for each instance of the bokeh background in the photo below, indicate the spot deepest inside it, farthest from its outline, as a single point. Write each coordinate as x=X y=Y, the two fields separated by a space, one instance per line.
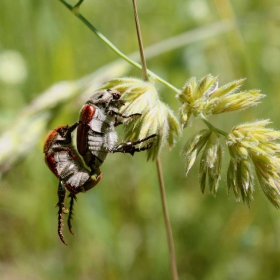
x=50 y=63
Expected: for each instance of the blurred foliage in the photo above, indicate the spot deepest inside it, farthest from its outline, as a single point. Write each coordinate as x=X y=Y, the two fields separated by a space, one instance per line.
x=119 y=224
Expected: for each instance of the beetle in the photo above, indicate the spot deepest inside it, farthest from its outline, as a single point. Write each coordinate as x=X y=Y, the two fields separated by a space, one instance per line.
x=67 y=166
x=96 y=135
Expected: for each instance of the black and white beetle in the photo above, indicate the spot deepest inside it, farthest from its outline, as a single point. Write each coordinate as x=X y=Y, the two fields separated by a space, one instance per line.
x=96 y=135
x=66 y=165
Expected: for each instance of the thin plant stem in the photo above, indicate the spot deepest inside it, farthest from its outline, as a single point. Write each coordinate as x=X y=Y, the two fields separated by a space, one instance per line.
x=158 y=162
x=75 y=10
x=141 y=48
x=78 y=4
x=212 y=127
x=167 y=222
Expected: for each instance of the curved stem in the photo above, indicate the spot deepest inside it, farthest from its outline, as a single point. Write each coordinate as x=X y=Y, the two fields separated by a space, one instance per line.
x=212 y=127
x=114 y=48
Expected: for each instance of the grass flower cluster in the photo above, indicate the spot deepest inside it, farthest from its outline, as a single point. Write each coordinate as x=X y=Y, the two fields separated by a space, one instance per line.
x=253 y=146
x=211 y=158
x=205 y=97
x=156 y=117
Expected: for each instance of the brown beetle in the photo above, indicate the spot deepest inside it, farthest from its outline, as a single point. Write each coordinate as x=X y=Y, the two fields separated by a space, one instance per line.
x=67 y=166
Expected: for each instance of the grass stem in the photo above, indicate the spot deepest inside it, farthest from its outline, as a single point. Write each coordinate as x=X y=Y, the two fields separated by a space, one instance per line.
x=113 y=47
x=158 y=162
x=167 y=222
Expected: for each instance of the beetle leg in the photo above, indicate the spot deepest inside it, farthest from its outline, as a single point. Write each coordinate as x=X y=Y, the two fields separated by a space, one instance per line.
x=129 y=147
x=117 y=121
x=61 y=210
x=112 y=112
x=115 y=102
x=131 y=116
x=71 y=210
x=73 y=127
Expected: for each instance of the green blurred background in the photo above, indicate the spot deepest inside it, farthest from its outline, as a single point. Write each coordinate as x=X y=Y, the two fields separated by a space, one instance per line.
x=119 y=225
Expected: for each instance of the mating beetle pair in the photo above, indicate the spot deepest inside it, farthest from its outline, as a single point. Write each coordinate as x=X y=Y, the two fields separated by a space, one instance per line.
x=96 y=137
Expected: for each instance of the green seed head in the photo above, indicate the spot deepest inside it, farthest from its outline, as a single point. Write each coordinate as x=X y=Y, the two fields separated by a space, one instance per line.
x=194 y=146
x=254 y=144
x=205 y=97
x=211 y=163
x=141 y=97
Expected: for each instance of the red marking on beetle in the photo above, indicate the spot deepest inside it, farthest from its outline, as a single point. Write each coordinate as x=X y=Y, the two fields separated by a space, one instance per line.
x=72 y=154
x=49 y=159
x=86 y=116
x=71 y=189
x=87 y=113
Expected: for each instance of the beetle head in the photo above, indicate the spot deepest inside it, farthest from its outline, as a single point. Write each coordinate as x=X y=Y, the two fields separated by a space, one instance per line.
x=60 y=135
x=106 y=98
x=63 y=134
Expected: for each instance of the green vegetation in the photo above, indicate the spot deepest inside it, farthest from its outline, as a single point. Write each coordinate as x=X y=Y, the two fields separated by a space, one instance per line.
x=119 y=225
